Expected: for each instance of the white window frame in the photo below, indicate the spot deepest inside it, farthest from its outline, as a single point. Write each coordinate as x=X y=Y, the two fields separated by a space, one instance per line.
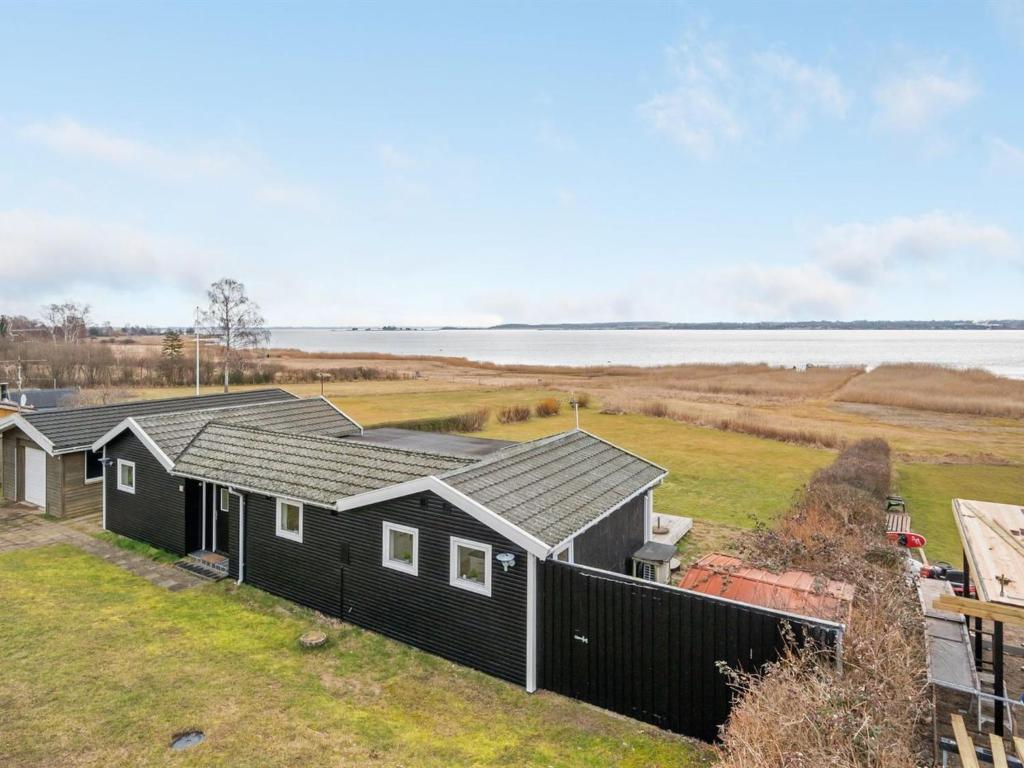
x=453 y=576
x=282 y=532
x=225 y=495
x=85 y=469
x=135 y=477
x=387 y=561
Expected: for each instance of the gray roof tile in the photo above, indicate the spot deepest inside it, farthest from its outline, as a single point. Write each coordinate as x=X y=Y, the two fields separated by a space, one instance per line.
x=308 y=416
x=553 y=487
x=317 y=469
x=78 y=428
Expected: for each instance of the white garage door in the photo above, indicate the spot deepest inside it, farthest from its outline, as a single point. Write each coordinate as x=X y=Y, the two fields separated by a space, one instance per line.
x=35 y=476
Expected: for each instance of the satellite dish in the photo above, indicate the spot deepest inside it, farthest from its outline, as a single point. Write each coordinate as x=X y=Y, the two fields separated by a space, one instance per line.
x=23 y=400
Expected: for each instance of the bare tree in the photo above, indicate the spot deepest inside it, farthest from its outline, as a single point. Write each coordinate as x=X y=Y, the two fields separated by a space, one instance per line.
x=236 y=319
x=69 y=321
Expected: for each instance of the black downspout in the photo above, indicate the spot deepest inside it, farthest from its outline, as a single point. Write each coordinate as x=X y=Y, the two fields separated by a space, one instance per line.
x=978 y=647
x=997 y=675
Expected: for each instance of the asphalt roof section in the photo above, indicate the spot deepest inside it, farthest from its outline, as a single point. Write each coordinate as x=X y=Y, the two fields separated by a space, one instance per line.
x=555 y=486
x=40 y=399
x=316 y=469
x=432 y=442
x=172 y=432
x=79 y=428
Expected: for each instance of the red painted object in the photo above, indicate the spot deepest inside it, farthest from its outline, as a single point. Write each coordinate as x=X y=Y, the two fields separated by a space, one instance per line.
x=907 y=539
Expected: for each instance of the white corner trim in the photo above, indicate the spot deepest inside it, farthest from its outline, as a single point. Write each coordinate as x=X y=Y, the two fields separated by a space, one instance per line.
x=322 y=397
x=19 y=421
x=397 y=565
x=285 y=534
x=453 y=560
x=131 y=424
x=456 y=498
x=531 y=623
x=135 y=479
x=104 y=525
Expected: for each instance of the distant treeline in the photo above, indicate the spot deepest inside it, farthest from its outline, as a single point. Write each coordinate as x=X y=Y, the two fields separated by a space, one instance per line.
x=808 y=325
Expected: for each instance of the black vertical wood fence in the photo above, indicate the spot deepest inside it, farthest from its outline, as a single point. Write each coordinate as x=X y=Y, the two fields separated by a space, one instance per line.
x=650 y=651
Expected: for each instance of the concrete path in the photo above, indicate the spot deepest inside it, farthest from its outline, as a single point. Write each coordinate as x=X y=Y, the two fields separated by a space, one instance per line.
x=24 y=527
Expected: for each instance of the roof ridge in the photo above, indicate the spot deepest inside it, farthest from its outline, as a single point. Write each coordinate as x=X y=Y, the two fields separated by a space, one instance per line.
x=327 y=439
x=165 y=400
x=510 y=450
x=173 y=414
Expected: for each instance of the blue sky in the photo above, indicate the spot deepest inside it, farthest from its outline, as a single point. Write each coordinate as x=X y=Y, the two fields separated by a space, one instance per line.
x=475 y=163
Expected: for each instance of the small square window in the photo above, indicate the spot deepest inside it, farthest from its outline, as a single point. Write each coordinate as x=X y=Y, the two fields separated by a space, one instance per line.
x=93 y=466
x=126 y=476
x=289 y=520
x=225 y=500
x=470 y=566
x=401 y=548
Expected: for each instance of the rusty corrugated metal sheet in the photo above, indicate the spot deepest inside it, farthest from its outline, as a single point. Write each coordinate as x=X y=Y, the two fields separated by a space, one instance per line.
x=791 y=591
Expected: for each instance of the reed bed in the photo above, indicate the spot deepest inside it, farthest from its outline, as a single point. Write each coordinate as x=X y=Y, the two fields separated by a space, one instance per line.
x=937 y=388
x=470 y=421
x=747 y=423
x=511 y=414
x=803 y=710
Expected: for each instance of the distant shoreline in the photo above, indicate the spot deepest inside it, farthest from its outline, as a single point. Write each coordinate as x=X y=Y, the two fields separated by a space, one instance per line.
x=811 y=325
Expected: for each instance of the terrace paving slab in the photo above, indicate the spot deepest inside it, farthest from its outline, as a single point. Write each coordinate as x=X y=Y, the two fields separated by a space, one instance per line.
x=25 y=527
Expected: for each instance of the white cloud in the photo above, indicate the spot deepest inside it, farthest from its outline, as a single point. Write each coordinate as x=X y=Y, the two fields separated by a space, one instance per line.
x=1004 y=155
x=811 y=86
x=918 y=100
x=697 y=113
x=716 y=97
x=52 y=253
x=77 y=140
x=393 y=157
x=846 y=261
x=801 y=292
x=863 y=254
x=73 y=138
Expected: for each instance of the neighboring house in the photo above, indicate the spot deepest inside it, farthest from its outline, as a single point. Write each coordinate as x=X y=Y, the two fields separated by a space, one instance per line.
x=430 y=539
x=47 y=456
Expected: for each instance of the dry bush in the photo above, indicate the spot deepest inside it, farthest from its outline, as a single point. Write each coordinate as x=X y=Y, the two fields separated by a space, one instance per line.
x=511 y=414
x=656 y=408
x=802 y=711
x=583 y=399
x=549 y=406
x=471 y=421
x=938 y=388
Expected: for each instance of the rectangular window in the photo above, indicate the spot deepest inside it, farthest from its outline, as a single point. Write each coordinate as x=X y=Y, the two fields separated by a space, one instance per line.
x=289 y=520
x=565 y=554
x=225 y=500
x=401 y=548
x=93 y=466
x=470 y=566
x=126 y=476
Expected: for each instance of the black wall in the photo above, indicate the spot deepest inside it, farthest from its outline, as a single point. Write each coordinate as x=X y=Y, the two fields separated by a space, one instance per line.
x=487 y=633
x=651 y=651
x=155 y=513
x=611 y=543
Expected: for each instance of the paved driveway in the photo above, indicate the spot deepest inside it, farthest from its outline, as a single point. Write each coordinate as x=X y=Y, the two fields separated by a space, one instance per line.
x=24 y=527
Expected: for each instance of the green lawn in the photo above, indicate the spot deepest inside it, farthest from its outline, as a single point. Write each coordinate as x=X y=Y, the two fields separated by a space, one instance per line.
x=101 y=668
x=930 y=488
x=722 y=477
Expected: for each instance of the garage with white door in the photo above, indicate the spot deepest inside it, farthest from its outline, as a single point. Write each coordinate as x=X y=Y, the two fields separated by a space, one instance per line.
x=35 y=476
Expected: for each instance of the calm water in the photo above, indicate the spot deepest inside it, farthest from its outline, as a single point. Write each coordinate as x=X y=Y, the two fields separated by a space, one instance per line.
x=999 y=351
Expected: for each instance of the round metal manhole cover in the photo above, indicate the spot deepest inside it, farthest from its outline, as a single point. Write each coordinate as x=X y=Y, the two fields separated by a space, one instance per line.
x=186 y=739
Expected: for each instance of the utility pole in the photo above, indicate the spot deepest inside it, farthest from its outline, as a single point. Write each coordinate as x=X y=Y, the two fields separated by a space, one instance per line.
x=197 y=350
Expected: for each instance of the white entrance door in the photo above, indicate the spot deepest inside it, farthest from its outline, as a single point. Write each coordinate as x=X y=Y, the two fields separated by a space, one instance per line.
x=35 y=477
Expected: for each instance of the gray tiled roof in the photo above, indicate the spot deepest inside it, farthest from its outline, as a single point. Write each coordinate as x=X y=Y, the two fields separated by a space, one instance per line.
x=309 y=416
x=316 y=469
x=70 y=428
x=432 y=442
x=553 y=487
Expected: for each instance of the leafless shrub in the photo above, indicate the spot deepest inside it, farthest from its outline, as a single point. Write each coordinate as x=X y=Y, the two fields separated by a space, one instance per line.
x=583 y=399
x=510 y=414
x=801 y=711
x=549 y=406
x=471 y=421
